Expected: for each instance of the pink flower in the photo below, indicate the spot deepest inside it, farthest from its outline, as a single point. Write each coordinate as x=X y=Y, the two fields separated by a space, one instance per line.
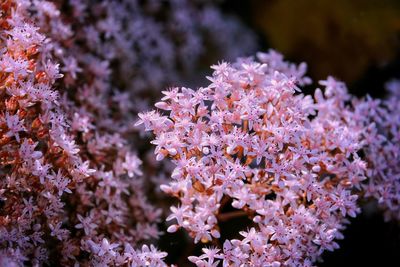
x=86 y=223
x=52 y=71
x=14 y=125
x=71 y=67
x=104 y=248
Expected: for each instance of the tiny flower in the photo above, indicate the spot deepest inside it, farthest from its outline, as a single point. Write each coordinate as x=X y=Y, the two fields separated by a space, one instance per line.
x=86 y=223
x=14 y=125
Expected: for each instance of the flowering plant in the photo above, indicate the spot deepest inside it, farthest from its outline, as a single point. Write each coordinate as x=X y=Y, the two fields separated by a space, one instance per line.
x=77 y=184
x=250 y=139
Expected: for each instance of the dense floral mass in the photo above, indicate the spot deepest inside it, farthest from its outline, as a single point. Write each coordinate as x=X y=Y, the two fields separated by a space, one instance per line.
x=58 y=198
x=71 y=186
x=284 y=160
x=381 y=120
x=74 y=190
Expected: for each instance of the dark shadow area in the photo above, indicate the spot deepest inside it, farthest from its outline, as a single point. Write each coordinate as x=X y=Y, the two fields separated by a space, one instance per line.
x=369 y=241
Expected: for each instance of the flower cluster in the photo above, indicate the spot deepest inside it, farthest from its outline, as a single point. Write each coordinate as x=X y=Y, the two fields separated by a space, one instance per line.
x=143 y=46
x=39 y=161
x=59 y=202
x=71 y=188
x=379 y=123
x=284 y=160
x=381 y=120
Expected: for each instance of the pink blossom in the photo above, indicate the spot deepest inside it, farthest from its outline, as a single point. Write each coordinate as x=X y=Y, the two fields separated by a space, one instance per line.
x=15 y=125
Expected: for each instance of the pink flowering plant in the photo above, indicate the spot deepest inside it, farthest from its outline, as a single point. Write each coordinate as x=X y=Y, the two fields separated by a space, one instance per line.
x=59 y=203
x=381 y=121
x=72 y=187
x=80 y=187
x=250 y=139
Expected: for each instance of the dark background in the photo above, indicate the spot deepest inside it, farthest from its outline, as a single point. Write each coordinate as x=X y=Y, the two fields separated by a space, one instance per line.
x=356 y=41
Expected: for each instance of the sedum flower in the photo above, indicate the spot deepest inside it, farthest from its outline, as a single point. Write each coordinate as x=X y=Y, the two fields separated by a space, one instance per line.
x=282 y=159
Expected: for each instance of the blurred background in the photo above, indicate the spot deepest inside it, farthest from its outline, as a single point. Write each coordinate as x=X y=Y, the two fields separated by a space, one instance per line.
x=356 y=41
